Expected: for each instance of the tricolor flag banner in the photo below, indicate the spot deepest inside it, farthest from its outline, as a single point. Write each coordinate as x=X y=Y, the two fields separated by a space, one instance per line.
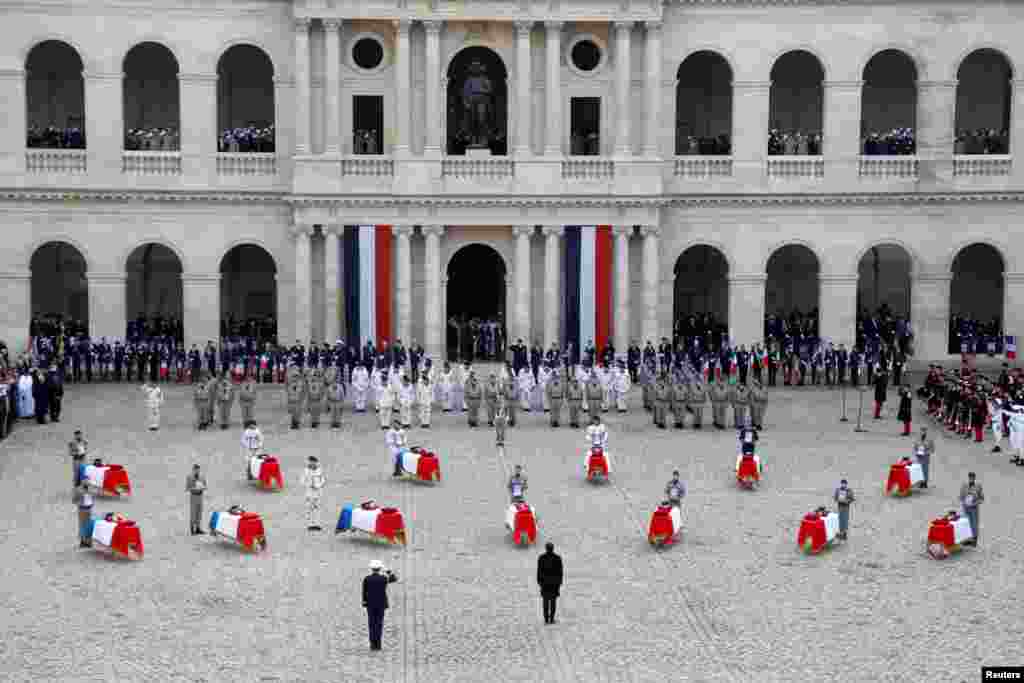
x=1011 y=347
x=366 y=267
x=588 y=286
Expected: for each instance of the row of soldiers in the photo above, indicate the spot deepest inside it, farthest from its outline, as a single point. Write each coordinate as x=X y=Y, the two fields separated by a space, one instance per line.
x=681 y=395
x=212 y=391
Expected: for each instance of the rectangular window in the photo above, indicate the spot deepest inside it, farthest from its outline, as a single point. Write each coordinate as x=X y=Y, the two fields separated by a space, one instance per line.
x=585 y=126
x=367 y=124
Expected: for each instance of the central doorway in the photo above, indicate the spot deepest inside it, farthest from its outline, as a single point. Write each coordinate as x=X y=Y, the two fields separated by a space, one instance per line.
x=476 y=304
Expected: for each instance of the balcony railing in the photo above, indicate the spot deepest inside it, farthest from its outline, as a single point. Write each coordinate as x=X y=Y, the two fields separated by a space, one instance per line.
x=703 y=167
x=478 y=169
x=982 y=165
x=588 y=169
x=369 y=165
x=796 y=167
x=151 y=163
x=873 y=167
x=246 y=164
x=55 y=160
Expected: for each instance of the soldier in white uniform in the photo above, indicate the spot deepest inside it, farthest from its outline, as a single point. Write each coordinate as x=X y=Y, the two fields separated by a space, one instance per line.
x=604 y=376
x=597 y=433
x=620 y=387
x=526 y=384
x=395 y=440
x=543 y=378
x=378 y=380
x=385 y=402
x=425 y=399
x=360 y=387
x=154 y=399
x=444 y=385
x=582 y=376
x=252 y=445
x=313 y=480
x=406 y=397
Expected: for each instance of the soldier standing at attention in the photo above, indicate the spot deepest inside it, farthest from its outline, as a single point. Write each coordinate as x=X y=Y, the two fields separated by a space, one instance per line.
x=474 y=394
x=595 y=395
x=77 y=449
x=501 y=421
x=195 y=484
x=154 y=399
x=971 y=496
x=491 y=398
x=295 y=391
x=661 y=401
x=679 y=397
x=758 y=401
x=555 y=395
x=843 y=497
x=425 y=399
x=719 y=398
x=574 y=396
x=740 y=402
x=313 y=480
x=695 y=400
x=315 y=398
x=511 y=386
x=199 y=402
x=213 y=385
x=247 y=399
x=225 y=397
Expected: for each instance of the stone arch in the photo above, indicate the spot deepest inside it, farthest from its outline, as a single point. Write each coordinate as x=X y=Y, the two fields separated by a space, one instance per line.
x=39 y=242
x=917 y=59
x=957 y=64
x=701 y=294
x=889 y=102
x=792 y=274
x=153 y=286
x=59 y=285
x=486 y=269
x=27 y=48
x=152 y=97
x=977 y=293
x=797 y=96
x=456 y=72
x=984 y=100
x=249 y=292
x=250 y=41
x=155 y=239
x=245 y=98
x=55 y=95
x=826 y=68
x=884 y=279
x=793 y=241
x=704 y=104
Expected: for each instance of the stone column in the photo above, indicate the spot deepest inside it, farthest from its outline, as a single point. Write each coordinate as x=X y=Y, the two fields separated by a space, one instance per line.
x=332 y=98
x=332 y=282
x=433 y=318
x=524 y=78
x=107 y=304
x=936 y=120
x=200 y=307
x=652 y=280
x=746 y=307
x=623 y=81
x=1013 y=304
x=552 y=236
x=522 y=281
x=403 y=282
x=652 y=89
x=622 y=326
x=302 y=307
x=198 y=127
x=104 y=124
x=302 y=86
x=1017 y=129
x=929 y=315
x=15 y=314
x=433 y=93
x=838 y=306
x=13 y=125
x=840 y=138
x=750 y=100
x=402 y=89
x=553 y=89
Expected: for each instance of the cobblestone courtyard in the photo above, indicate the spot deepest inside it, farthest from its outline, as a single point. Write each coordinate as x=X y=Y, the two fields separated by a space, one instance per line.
x=735 y=601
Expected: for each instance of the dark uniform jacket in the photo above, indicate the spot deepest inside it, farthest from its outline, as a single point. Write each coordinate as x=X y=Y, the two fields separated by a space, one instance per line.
x=549 y=573
x=375 y=590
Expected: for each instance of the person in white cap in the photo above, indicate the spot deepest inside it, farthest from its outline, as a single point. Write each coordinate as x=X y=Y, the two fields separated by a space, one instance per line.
x=375 y=600
x=313 y=479
x=154 y=399
x=395 y=440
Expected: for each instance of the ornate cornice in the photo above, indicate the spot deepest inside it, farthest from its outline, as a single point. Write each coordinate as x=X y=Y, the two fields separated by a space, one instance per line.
x=140 y=196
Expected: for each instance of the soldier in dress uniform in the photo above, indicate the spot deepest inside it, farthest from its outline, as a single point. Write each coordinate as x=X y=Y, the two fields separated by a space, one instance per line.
x=313 y=481
x=336 y=399
x=406 y=397
x=360 y=387
x=473 y=394
x=595 y=395
x=758 y=402
x=556 y=393
x=695 y=400
x=662 y=391
x=154 y=399
x=574 y=397
x=425 y=399
x=247 y=399
x=491 y=398
x=225 y=397
x=315 y=397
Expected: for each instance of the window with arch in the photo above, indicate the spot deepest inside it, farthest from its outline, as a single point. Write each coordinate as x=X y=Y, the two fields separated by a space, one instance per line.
x=983 y=90
x=152 y=104
x=976 y=300
x=54 y=97
x=704 y=105
x=889 y=104
x=796 y=103
x=245 y=100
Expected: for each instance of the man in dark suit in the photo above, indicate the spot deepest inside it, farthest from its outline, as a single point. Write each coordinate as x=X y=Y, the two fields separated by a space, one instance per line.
x=549 y=578
x=375 y=600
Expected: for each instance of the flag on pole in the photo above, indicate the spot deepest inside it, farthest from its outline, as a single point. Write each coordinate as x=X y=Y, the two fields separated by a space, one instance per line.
x=1011 y=347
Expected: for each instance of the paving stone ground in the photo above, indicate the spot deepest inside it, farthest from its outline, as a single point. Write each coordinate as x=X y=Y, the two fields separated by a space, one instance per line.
x=735 y=601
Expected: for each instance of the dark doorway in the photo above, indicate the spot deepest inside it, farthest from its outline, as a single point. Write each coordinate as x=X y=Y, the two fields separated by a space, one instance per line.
x=476 y=299
x=701 y=297
x=458 y=72
x=59 y=288
x=248 y=293
x=367 y=124
x=585 y=122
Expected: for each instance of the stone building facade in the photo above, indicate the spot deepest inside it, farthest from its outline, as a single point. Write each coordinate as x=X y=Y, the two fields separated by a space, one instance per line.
x=594 y=105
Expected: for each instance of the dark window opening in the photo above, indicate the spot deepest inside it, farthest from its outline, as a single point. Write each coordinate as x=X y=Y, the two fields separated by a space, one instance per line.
x=585 y=124
x=367 y=124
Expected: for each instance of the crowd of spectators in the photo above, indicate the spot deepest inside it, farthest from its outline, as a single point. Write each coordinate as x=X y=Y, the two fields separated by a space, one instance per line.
x=247 y=139
x=898 y=141
x=55 y=137
x=585 y=144
x=366 y=142
x=883 y=326
x=793 y=330
x=970 y=335
x=982 y=141
x=702 y=331
x=156 y=327
x=793 y=143
x=704 y=146
x=258 y=329
x=152 y=139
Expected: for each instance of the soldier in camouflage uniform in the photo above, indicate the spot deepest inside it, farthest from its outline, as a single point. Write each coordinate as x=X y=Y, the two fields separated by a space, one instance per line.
x=474 y=394
x=679 y=393
x=740 y=402
x=555 y=395
x=200 y=400
x=212 y=389
x=662 y=391
x=225 y=397
x=719 y=397
x=574 y=397
x=335 y=398
x=595 y=396
x=315 y=397
x=247 y=400
x=296 y=392
x=491 y=398
x=647 y=385
x=758 y=402
x=696 y=398
x=511 y=393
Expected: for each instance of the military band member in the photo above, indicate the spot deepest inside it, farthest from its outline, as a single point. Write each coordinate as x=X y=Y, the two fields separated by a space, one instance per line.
x=574 y=397
x=474 y=395
x=595 y=395
x=843 y=497
x=425 y=399
x=696 y=398
x=314 y=481
x=195 y=484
